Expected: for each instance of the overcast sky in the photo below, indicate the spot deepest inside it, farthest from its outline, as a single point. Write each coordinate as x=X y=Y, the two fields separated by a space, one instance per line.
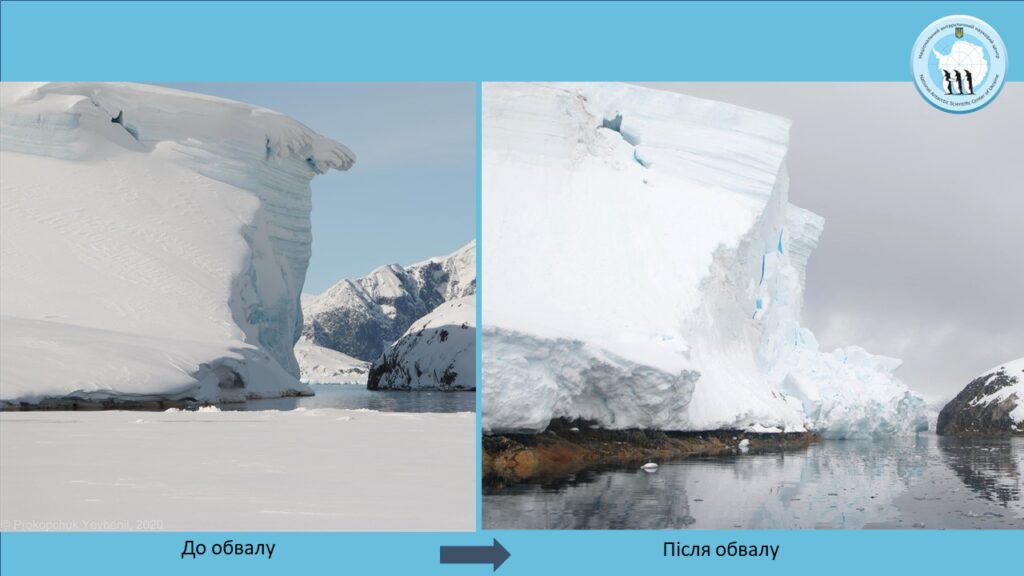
x=412 y=192
x=922 y=257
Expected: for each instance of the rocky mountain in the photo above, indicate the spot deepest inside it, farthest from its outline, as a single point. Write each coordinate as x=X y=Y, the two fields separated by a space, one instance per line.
x=363 y=317
x=438 y=352
x=991 y=405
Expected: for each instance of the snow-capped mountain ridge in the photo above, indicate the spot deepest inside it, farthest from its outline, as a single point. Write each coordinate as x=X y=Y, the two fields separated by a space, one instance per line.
x=180 y=227
x=361 y=317
x=991 y=404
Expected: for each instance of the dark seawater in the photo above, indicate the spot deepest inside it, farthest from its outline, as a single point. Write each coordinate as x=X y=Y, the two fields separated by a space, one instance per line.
x=925 y=481
x=352 y=397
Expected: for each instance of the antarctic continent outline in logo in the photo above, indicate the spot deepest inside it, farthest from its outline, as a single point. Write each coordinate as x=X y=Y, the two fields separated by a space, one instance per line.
x=959 y=64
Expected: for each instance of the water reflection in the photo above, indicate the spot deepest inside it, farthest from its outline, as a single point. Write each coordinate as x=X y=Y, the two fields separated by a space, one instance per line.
x=352 y=397
x=904 y=482
x=991 y=468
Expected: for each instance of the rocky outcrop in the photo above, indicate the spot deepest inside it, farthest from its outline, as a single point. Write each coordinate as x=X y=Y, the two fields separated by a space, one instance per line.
x=569 y=447
x=438 y=352
x=991 y=405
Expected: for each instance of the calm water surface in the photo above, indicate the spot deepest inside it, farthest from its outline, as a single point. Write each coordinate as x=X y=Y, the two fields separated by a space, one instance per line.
x=925 y=481
x=354 y=397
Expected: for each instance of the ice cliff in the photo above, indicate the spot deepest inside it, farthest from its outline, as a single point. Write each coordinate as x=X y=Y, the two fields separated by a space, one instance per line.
x=154 y=243
x=644 y=268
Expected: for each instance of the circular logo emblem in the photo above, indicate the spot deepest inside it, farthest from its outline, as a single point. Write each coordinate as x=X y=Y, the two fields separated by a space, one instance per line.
x=959 y=64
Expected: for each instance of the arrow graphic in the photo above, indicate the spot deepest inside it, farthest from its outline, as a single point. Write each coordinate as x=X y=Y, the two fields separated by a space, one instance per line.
x=495 y=554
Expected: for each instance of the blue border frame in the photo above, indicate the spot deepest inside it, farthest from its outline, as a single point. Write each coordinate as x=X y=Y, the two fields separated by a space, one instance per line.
x=475 y=41
x=482 y=41
x=479 y=306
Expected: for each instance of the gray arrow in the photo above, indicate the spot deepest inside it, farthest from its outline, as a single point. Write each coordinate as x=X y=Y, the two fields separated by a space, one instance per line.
x=494 y=554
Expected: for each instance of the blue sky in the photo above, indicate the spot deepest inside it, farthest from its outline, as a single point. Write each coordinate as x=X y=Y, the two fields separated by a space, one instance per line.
x=412 y=192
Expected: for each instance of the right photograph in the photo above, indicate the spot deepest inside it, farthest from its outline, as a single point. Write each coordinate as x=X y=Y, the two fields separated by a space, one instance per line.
x=750 y=306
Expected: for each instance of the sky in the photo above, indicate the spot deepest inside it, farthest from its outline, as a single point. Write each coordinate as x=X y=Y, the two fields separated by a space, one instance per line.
x=922 y=255
x=411 y=194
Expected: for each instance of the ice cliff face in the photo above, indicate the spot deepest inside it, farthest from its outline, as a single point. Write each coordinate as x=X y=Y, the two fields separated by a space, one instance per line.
x=438 y=352
x=155 y=242
x=645 y=269
x=362 y=317
x=990 y=405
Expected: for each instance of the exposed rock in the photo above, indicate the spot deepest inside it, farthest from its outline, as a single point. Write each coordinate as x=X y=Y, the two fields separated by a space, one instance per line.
x=438 y=352
x=571 y=446
x=991 y=405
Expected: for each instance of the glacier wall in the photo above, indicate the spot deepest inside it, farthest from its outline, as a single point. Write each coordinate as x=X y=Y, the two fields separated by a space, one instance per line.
x=644 y=268
x=173 y=221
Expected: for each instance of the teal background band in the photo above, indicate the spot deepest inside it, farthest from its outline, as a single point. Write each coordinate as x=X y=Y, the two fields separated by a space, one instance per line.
x=534 y=553
x=475 y=41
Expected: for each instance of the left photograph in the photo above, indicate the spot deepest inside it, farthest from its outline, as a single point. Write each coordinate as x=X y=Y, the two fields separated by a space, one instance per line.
x=230 y=307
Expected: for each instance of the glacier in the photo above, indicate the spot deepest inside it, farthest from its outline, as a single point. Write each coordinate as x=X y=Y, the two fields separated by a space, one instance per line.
x=645 y=269
x=319 y=365
x=154 y=242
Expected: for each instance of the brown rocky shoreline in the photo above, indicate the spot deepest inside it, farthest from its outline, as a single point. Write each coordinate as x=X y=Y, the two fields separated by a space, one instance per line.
x=569 y=447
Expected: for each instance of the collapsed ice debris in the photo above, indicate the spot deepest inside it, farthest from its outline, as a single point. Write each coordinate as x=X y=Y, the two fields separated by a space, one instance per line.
x=644 y=268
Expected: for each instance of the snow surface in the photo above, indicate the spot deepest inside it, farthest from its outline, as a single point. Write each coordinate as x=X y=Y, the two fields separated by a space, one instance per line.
x=438 y=352
x=1013 y=369
x=322 y=469
x=645 y=269
x=319 y=365
x=154 y=242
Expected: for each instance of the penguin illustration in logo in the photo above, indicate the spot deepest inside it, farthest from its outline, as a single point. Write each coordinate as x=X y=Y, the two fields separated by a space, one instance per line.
x=970 y=81
x=959 y=82
x=949 y=82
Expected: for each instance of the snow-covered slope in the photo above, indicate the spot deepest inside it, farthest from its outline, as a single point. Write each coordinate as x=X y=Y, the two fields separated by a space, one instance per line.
x=645 y=269
x=154 y=242
x=362 y=317
x=437 y=352
x=319 y=365
x=991 y=404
